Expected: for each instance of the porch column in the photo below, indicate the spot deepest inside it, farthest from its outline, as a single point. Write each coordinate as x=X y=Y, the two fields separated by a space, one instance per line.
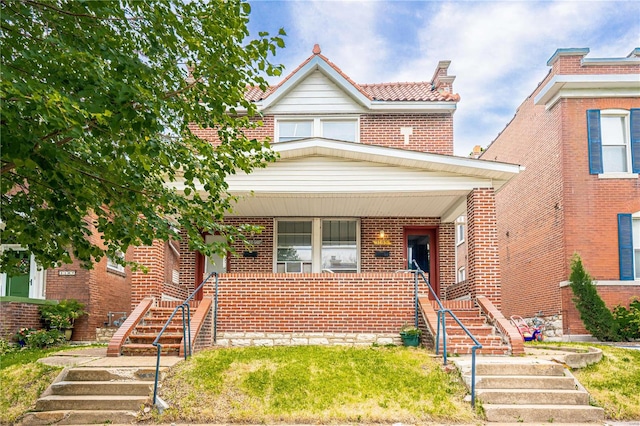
x=483 y=261
x=148 y=284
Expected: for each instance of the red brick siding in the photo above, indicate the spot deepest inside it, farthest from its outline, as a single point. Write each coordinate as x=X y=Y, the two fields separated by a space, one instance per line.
x=431 y=132
x=374 y=303
x=16 y=315
x=483 y=260
x=613 y=295
x=554 y=207
x=148 y=284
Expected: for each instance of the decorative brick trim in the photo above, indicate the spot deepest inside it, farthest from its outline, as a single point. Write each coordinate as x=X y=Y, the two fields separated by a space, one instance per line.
x=503 y=324
x=113 y=349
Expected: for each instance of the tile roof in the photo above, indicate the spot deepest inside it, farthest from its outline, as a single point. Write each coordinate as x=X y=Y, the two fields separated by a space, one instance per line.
x=409 y=91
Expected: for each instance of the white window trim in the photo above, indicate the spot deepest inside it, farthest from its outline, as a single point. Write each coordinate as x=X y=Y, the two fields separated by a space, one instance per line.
x=460 y=237
x=115 y=267
x=317 y=124
x=627 y=123
x=462 y=271
x=316 y=240
x=37 y=276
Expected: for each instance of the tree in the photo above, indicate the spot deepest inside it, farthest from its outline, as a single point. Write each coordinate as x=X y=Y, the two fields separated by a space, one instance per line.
x=595 y=315
x=96 y=108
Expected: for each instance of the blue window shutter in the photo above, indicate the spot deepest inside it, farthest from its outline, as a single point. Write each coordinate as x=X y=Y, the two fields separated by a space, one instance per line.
x=595 y=141
x=625 y=246
x=635 y=140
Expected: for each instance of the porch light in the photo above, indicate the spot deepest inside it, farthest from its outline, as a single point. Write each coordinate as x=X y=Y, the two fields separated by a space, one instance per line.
x=381 y=235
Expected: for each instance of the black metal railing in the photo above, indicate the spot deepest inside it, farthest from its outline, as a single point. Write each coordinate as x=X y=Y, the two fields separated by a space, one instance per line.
x=186 y=328
x=442 y=312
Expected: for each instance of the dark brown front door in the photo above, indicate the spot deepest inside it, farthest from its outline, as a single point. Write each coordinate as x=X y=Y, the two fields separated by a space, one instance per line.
x=421 y=246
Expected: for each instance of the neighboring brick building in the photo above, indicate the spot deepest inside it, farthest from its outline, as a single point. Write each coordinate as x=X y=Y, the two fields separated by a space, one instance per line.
x=365 y=183
x=578 y=137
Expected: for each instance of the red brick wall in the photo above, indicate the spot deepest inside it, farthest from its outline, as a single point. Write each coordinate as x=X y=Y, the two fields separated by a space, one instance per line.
x=148 y=284
x=374 y=302
x=483 y=259
x=16 y=315
x=555 y=207
x=431 y=132
x=613 y=295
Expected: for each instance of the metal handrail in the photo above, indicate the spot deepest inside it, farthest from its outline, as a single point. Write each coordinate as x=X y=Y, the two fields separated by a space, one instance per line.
x=442 y=319
x=186 y=330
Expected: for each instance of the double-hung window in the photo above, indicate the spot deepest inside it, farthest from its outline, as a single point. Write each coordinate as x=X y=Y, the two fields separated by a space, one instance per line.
x=343 y=129
x=614 y=141
x=317 y=245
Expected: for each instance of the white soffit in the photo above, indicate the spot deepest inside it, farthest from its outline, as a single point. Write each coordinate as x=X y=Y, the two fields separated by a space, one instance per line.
x=588 y=86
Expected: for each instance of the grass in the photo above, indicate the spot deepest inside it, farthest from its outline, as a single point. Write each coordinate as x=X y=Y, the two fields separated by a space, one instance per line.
x=614 y=382
x=22 y=380
x=313 y=384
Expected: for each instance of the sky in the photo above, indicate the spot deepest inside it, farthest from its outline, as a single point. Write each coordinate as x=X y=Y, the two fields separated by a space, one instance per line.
x=498 y=49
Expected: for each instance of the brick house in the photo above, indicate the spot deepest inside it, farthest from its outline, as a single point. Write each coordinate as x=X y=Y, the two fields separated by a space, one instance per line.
x=366 y=183
x=578 y=137
x=104 y=289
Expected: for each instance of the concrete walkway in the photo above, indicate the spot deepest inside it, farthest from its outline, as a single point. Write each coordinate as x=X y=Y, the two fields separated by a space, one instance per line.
x=97 y=357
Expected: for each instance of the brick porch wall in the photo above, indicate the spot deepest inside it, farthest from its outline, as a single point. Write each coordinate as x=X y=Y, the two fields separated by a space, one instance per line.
x=613 y=295
x=348 y=303
x=15 y=315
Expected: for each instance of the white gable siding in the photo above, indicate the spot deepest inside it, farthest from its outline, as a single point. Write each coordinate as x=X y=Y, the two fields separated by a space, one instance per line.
x=319 y=174
x=317 y=95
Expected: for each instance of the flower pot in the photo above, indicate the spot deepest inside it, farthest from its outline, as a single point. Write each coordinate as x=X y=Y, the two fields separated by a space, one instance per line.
x=67 y=333
x=410 y=339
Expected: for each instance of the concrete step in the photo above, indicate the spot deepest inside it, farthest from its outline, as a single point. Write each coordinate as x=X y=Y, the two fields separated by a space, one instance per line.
x=462 y=349
x=525 y=413
x=533 y=396
x=129 y=388
x=132 y=349
x=91 y=402
x=519 y=369
x=525 y=382
x=79 y=417
x=93 y=374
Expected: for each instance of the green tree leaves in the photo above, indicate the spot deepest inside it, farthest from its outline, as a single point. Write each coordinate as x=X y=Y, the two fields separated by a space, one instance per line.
x=97 y=116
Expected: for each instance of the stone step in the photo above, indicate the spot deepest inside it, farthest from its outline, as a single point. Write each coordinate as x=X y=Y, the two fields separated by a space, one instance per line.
x=131 y=349
x=533 y=396
x=525 y=413
x=79 y=417
x=109 y=374
x=149 y=338
x=129 y=388
x=519 y=369
x=91 y=402
x=525 y=382
x=497 y=350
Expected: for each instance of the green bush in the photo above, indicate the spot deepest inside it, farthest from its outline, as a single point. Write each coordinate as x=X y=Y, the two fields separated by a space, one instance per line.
x=43 y=338
x=63 y=314
x=6 y=347
x=628 y=321
x=595 y=315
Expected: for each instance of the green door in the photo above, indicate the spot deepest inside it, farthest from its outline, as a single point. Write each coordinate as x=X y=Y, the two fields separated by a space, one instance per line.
x=18 y=285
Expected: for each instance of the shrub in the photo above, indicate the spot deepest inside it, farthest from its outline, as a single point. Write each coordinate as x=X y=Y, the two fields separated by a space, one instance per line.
x=6 y=347
x=62 y=315
x=43 y=338
x=597 y=319
x=628 y=321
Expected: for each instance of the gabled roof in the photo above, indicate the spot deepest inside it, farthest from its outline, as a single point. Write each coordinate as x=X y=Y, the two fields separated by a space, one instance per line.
x=366 y=95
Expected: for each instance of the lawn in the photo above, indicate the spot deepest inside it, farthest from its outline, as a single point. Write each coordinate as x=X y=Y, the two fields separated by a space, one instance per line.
x=314 y=384
x=614 y=382
x=22 y=380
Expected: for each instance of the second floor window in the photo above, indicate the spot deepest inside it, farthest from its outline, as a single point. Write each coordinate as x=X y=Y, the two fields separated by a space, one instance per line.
x=614 y=141
x=343 y=129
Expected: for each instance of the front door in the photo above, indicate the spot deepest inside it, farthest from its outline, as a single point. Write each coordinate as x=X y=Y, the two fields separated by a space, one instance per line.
x=208 y=264
x=18 y=284
x=421 y=247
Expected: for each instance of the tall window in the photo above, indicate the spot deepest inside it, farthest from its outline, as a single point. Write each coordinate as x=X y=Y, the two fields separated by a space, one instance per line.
x=343 y=129
x=462 y=274
x=339 y=246
x=459 y=233
x=294 y=246
x=614 y=141
x=317 y=245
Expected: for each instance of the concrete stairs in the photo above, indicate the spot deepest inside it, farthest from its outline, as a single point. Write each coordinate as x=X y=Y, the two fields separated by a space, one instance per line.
x=139 y=342
x=90 y=395
x=525 y=390
x=470 y=315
